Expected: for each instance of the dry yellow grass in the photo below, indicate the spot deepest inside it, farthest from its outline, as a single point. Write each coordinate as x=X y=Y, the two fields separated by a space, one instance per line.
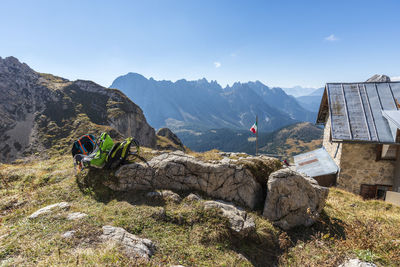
x=188 y=235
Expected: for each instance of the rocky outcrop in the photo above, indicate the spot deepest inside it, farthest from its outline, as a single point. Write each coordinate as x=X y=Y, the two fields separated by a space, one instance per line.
x=38 y=110
x=293 y=199
x=168 y=140
x=180 y=172
x=134 y=246
x=49 y=209
x=240 y=222
x=378 y=78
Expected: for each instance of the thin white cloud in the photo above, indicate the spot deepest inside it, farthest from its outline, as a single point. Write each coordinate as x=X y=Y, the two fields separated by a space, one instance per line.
x=217 y=64
x=331 y=38
x=395 y=79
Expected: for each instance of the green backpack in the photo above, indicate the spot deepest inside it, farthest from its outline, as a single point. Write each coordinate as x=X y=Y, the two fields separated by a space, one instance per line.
x=119 y=153
x=105 y=144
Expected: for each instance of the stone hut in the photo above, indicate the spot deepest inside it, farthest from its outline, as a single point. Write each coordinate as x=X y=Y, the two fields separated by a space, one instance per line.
x=362 y=122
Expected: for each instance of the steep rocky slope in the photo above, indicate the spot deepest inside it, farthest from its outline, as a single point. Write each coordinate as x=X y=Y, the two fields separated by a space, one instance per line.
x=39 y=111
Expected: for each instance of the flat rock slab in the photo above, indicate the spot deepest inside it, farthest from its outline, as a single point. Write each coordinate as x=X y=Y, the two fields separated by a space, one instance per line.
x=134 y=246
x=293 y=199
x=357 y=263
x=49 y=209
x=76 y=216
x=239 y=220
x=181 y=172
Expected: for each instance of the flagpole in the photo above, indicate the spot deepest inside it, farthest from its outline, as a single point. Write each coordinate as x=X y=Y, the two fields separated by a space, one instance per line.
x=257 y=135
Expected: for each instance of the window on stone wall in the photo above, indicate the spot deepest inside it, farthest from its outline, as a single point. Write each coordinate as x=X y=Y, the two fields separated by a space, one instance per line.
x=386 y=152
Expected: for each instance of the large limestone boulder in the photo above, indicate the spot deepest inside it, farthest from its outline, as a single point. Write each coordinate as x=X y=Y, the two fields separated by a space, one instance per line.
x=239 y=220
x=134 y=246
x=180 y=172
x=293 y=199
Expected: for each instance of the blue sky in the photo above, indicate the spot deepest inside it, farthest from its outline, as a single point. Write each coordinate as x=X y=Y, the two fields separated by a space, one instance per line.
x=281 y=43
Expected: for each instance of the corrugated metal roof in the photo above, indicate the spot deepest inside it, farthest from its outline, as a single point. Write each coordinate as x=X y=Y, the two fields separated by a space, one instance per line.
x=315 y=163
x=356 y=110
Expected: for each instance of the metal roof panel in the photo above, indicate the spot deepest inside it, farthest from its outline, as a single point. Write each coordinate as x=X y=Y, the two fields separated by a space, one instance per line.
x=356 y=110
x=315 y=163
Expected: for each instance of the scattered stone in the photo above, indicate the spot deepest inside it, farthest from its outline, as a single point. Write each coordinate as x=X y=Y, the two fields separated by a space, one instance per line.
x=69 y=234
x=357 y=263
x=239 y=220
x=165 y=194
x=169 y=195
x=293 y=199
x=134 y=246
x=180 y=172
x=192 y=197
x=76 y=216
x=154 y=195
x=48 y=209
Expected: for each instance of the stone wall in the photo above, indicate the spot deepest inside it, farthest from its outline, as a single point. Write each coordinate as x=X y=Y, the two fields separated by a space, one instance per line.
x=334 y=149
x=358 y=166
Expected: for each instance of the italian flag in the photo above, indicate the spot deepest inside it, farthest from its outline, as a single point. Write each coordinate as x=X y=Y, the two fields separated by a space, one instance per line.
x=254 y=128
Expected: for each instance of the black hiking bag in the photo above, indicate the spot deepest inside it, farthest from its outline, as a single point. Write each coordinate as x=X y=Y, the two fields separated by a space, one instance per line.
x=84 y=145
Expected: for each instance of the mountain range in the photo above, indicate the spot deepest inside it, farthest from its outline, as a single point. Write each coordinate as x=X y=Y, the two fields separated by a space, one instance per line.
x=199 y=105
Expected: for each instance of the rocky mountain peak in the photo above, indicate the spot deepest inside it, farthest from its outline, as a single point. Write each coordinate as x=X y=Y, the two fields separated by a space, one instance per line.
x=378 y=78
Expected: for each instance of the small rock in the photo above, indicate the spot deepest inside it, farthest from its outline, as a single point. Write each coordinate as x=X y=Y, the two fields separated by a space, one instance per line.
x=192 y=197
x=133 y=245
x=357 y=263
x=48 y=209
x=69 y=234
x=169 y=195
x=239 y=221
x=76 y=216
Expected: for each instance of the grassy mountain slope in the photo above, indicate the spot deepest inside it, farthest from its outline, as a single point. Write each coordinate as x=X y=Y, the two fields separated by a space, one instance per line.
x=349 y=227
x=286 y=142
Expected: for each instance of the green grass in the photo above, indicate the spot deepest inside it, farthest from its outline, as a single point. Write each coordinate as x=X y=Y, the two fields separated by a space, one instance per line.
x=184 y=233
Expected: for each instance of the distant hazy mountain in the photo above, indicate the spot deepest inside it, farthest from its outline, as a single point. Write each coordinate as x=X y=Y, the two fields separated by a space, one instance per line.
x=297 y=91
x=312 y=101
x=198 y=105
x=277 y=98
